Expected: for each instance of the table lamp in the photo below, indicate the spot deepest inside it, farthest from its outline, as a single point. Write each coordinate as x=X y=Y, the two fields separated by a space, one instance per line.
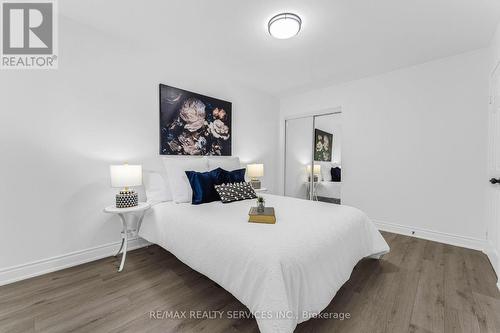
x=255 y=171
x=125 y=176
x=316 y=172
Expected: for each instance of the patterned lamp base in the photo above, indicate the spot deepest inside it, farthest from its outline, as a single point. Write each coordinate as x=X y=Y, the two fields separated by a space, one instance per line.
x=255 y=183
x=126 y=199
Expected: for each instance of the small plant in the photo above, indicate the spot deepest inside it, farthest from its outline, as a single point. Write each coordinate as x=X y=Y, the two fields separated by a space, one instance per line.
x=260 y=204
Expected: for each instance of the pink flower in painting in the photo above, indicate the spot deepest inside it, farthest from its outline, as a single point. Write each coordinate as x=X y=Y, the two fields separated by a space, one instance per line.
x=193 y=113
x=219 y=113
x=219 y=129
x=188 y=143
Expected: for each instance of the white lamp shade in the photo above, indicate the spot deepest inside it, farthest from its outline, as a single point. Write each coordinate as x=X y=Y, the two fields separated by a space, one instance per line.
x=317 y=169
x=255 y=170
x=125 y=175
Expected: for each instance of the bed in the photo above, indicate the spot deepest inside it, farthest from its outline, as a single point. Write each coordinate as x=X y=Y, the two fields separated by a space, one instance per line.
x=284 y=273
x=328 y=189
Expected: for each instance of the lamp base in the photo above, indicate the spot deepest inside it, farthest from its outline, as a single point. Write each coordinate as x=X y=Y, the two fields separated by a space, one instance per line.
x=127 y=199
x=315 y=178
x=255 y=184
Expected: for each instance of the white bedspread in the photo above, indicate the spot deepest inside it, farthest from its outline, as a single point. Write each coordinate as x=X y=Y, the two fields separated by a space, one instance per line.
x=282 y=271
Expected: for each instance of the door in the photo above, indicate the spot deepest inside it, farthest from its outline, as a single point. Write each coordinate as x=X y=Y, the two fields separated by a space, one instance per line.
x=493 y=194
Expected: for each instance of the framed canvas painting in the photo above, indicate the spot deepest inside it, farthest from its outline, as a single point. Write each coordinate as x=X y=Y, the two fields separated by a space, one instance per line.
x=323 y=144
x=193 y=124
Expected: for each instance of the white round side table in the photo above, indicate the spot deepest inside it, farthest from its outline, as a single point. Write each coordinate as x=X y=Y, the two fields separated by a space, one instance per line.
x=126 y=230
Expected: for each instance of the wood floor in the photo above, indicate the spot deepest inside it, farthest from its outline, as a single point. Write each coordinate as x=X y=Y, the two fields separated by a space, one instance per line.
x=421 y=286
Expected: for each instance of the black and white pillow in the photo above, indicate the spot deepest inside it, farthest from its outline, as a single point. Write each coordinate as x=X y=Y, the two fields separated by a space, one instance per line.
x=235 y=192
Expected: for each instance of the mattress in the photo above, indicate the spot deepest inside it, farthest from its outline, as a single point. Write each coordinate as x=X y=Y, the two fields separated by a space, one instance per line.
x=284 y=272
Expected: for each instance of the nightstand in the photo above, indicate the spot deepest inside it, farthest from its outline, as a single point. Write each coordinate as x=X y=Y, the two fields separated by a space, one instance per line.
x=260 y=190
x=126 y=228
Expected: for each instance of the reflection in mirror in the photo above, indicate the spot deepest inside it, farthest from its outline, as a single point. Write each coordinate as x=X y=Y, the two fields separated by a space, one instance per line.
x=313 y=157
x=298 y=156
x=327 y=158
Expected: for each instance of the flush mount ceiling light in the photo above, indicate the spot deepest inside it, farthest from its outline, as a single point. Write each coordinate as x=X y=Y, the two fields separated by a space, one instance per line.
x=284 y=25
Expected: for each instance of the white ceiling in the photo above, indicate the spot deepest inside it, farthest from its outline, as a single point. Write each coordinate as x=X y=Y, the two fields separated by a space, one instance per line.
x=340 y=40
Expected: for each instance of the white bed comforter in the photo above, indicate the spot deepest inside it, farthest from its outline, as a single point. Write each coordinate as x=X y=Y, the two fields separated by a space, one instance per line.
x=282 y=272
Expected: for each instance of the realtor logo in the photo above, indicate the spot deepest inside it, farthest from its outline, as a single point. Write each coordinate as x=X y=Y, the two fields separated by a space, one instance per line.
x=28 y=35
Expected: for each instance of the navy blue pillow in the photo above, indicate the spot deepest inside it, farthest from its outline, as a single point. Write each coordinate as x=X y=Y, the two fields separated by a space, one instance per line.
x=203 y=185
x=336 y=174
x=235 y=176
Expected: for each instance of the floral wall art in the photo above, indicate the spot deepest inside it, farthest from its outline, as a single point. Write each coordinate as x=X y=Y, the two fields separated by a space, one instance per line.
x=323 y=143
x=193 y=124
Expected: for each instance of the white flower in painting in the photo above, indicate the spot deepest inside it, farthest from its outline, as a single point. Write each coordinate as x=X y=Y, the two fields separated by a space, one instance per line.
x=326 y=142
x=319 y=146
x=219 y=129
x=193 y=113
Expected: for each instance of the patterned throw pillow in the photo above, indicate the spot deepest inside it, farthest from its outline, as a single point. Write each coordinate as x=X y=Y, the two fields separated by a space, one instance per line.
x=235 y=192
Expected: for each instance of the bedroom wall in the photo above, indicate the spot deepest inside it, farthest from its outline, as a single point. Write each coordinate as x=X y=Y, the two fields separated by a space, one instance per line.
x=61 y=129
x=413 y=146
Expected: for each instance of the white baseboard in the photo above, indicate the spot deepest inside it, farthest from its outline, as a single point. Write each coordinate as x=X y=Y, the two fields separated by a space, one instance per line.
x=437 y=236
x=25 y=271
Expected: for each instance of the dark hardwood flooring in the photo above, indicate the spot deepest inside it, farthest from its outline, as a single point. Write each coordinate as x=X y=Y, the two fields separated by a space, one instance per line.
x=421 y=286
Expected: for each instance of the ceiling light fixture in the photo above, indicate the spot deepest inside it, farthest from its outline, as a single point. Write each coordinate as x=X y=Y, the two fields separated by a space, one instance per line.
x=284 y=25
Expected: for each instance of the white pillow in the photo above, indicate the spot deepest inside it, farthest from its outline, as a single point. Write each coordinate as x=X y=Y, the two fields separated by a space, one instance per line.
x=156 y=187
x=325 y=171
x=226 y=163
x=176 y=168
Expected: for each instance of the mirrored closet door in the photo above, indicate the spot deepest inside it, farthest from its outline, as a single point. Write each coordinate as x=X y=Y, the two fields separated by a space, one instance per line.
x=313 y=157
x=298 y=156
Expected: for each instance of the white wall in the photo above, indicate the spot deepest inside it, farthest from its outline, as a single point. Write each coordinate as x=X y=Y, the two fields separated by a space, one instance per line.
x=413 y=146
x=61 y=129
